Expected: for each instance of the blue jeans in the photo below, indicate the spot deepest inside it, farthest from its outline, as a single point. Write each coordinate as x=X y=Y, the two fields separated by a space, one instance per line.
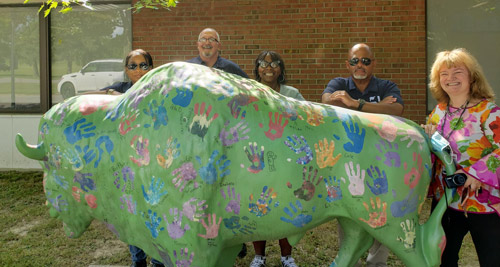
x=139 y=255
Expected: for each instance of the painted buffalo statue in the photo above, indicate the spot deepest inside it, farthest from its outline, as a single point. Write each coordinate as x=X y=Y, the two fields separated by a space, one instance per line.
x=193 y=161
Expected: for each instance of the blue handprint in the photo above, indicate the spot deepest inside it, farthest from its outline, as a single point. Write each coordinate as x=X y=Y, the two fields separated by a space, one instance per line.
x=108 y=145
x=74 y=133
x=356 y=138
x=333 y=189
x=299 y=220
x=405 y=206
x=86 y=183
x=60 y=180
x=58 y=203
x=183 y=97
x=154 y=222
x=209 y=172
x=158 y=114
x=233 y=224
x=87 y=154
x=300 y=146
x=380 y=185
x=153 y=195
x=74 y=159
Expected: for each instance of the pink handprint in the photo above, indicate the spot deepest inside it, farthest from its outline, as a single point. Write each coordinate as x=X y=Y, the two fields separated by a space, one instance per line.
x=413 y=176
x=275 y=128
x=126 y=124
x=201 y=122
x=212 y=227
x=141 y=148
x=324 y=154
x=377 y=215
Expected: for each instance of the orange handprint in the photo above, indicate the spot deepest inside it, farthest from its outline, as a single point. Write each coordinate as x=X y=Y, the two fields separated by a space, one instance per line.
x=377 y=217
x=324 y=154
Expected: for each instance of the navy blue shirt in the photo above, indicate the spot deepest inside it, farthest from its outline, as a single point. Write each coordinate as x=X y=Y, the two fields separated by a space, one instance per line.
x=121 y=87
x=377 y=89
x=222 y=64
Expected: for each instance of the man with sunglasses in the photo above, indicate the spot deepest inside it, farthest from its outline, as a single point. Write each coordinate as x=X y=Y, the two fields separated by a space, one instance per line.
x=364 y=92
x=209 y=53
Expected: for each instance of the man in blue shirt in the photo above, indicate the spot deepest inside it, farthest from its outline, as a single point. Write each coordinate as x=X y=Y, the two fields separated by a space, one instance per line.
x=209 y=46
x=364 y=92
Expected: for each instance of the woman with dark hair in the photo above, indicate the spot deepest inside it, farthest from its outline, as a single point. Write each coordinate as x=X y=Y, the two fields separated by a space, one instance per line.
x=270 y=70
x=137 y=63
x=466 y=115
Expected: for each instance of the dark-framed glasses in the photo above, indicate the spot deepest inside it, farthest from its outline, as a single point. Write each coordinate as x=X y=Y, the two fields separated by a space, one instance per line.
x=211 y=39
x=365 y=61
x=142 y=65
x=263 y=64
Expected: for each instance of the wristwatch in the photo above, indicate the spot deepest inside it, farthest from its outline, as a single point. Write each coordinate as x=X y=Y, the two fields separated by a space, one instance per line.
x=361 y=104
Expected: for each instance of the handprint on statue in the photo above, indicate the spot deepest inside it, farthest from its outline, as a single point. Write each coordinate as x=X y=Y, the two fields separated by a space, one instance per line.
x=234 y=134
x=262 y=206
x=413 y=136
x=256 y=159
x=201 y=122
x=234 y=200
x=242 y=225
x=140 y=145
x=407 y=205
x=210 y=172
x=192 y=211
x=185 y=174
x=314 y=114
x=239 y=101
x=79 y=130
x=158 y=114
x=275 y=128
x=184 y=259
x=154 y=195
x=389 y=150
x=377 y=215
x=357 y=138
x=410 y=234
x=324 y=154
x=380 y=185
x=333 y=189
x=128 y=201
x=153 y=224
x=174 y=229
x=127 y=122
x=356 y=179
x=300 y=146
x=413 y=176
x=308 y=188
x=166 y=156
x=297 y=220
x=212 y=228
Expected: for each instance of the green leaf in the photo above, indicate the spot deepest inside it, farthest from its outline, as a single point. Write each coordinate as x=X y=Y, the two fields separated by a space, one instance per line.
x=47 y=12
x=65 y=10
x=26 y=1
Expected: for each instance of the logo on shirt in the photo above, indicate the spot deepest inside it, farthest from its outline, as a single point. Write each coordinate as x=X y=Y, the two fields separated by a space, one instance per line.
x=374 y=99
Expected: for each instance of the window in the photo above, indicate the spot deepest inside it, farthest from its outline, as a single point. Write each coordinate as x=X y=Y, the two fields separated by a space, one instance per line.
x=474 y=25
x=88 y=48
x=19 y=59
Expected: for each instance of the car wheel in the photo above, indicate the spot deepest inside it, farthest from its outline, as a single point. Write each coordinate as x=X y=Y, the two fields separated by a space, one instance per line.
x=67 y=90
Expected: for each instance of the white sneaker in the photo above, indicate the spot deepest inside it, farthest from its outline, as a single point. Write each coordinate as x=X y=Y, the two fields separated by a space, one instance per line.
x=288 y=261
x=258 y=261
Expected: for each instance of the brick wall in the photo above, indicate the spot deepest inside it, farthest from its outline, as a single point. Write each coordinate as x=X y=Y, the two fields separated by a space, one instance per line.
x=312 y=36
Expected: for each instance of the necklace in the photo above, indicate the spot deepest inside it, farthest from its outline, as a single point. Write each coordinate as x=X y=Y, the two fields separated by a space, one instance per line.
x=463 y=106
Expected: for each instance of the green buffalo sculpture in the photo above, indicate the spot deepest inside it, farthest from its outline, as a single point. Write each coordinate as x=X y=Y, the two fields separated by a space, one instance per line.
x=193 y=161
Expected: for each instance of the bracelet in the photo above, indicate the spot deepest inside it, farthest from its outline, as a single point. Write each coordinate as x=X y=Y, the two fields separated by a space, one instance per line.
x=361 y=104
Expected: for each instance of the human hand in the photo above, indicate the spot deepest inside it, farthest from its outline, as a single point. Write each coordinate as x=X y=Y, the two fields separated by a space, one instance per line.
x=388 y=100
x=429 y=129
x=345 y=98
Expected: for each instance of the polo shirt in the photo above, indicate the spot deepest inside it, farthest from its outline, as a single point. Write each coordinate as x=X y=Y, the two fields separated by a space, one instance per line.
x=222 y=64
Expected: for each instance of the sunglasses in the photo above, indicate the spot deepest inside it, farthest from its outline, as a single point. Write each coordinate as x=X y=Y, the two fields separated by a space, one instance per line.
x=211 y=39
x=365 y=61
x=263 y=64
x=142 y=65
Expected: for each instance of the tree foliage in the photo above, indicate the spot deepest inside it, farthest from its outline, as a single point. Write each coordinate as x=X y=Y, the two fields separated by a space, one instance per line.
x=65 y=5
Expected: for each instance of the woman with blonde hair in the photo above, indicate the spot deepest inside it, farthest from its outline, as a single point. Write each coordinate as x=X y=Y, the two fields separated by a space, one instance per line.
x=467 y=116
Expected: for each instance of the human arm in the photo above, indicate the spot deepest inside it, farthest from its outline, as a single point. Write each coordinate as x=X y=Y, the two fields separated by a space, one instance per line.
x=388 y=105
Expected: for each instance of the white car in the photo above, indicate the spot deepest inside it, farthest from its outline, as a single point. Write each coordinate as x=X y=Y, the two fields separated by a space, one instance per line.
x=95 y=75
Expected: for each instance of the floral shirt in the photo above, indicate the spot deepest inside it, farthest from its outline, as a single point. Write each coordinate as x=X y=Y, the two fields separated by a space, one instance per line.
x=474 y=136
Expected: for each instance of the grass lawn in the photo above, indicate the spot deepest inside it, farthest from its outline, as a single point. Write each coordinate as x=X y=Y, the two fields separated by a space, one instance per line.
x=30 y=237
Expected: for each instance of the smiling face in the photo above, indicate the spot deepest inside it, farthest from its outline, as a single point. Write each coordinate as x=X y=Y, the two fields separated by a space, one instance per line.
x=455 y=81
x=269 y=75
x=135 y=75
x=208 y=49
x=360 y=71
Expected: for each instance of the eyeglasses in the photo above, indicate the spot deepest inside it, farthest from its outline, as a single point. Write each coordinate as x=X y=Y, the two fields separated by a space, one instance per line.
x=365 y=61
x=211 y=39
x=263 y=64
x=142 y=65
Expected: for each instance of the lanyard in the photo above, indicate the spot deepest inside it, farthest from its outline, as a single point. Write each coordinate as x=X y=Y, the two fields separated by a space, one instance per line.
x=464 y=107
